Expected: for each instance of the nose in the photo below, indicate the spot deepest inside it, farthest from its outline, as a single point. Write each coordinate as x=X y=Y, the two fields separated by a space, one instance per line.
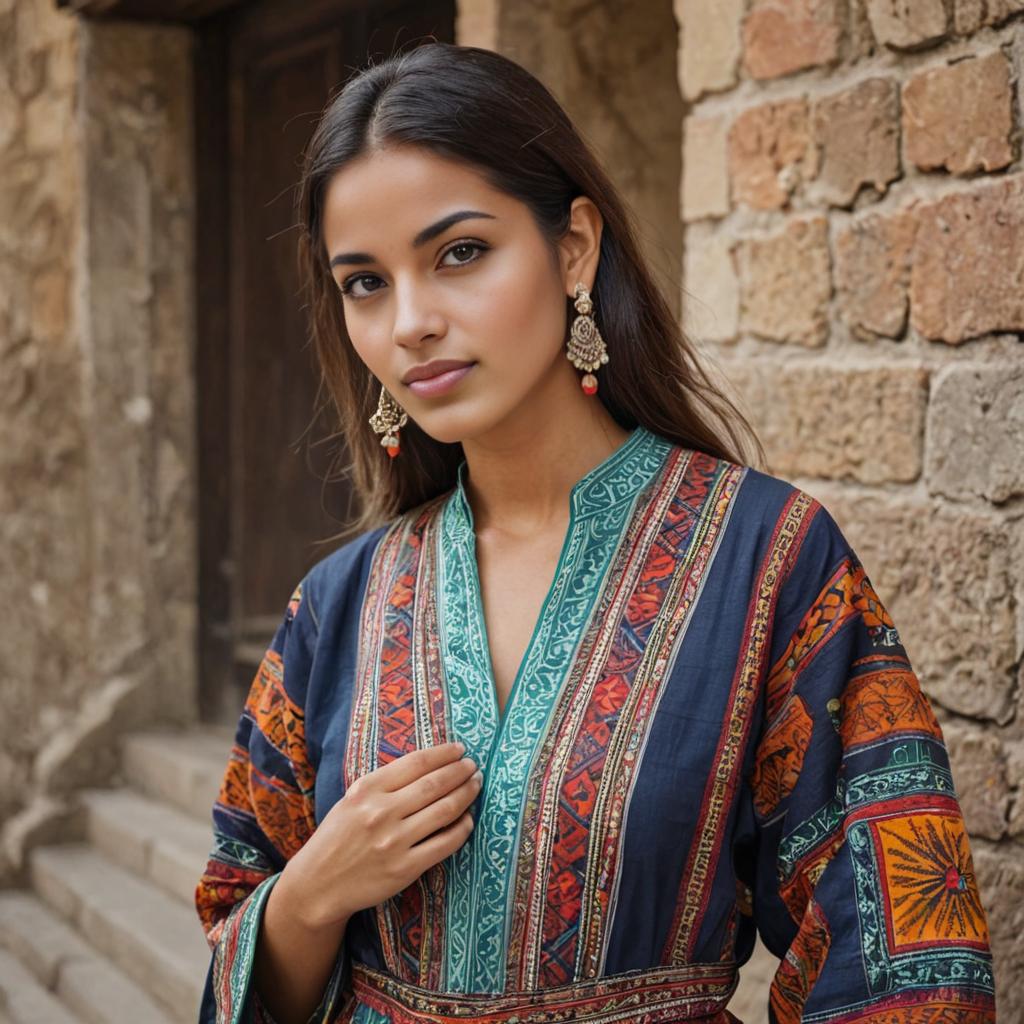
x=417 y=317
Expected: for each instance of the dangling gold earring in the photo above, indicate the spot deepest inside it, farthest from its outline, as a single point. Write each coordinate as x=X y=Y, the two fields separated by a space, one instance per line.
x=586 y=348
x=388 y=420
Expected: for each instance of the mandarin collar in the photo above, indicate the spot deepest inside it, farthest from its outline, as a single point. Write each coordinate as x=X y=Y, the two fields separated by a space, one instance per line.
x=618 y=477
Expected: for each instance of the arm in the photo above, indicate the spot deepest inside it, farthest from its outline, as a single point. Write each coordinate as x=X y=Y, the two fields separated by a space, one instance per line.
x=262 y=817
x=864 y=887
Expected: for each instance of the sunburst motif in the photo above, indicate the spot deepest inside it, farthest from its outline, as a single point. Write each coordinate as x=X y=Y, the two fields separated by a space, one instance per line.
x=932 y=890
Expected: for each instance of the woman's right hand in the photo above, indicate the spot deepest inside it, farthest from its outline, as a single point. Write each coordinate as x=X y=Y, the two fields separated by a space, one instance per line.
x=391 y=826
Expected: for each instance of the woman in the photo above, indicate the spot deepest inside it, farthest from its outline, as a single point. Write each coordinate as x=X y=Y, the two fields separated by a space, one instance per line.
x=692 y=716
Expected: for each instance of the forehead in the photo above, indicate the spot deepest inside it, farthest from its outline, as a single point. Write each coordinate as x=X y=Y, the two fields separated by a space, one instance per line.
x=401 y=191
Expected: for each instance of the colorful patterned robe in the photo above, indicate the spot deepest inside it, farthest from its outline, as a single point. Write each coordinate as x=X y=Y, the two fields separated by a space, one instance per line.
x=714 y=730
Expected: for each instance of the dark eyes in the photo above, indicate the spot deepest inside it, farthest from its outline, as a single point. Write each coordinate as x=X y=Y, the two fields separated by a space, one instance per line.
x=349 y=282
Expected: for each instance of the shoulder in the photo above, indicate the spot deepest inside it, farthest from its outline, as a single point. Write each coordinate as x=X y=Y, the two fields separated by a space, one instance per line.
x=338 y=576
x=338 y=580
x=799 y=541
x=763 y=503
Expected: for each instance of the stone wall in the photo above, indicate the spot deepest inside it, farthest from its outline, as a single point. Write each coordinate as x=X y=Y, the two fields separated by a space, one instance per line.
x=97 y=561
x=853 y=196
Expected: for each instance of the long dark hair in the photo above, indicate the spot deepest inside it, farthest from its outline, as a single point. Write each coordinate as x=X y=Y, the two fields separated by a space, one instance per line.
x=478 y=107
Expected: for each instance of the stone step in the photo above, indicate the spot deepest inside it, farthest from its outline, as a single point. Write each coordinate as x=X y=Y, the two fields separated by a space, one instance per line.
x=156 y=940
x=24 y=1001
x=60 y=960
x=155 y=840
x=184 y=768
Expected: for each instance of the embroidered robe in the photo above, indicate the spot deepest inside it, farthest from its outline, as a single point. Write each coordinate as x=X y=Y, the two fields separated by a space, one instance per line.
x=714 y=731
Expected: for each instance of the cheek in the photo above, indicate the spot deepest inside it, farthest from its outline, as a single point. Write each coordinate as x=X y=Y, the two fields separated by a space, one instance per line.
x=519 y=305
x=371 y=347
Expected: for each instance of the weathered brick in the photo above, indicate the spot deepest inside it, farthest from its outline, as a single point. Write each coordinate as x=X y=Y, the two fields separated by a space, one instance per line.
x=770 y=152
x=783 y=36
x=967 y=267
x=959 y=117
x=873 y=273
x=858 y=133
x=705 y=168
x=908 y=24
x=864 y=424
x=945 y=575
x=784 y=283
x=710 y=45
x=970 y=15
x=1000 y=873
x=978 y=760
x=975 y=409
x=711 y=301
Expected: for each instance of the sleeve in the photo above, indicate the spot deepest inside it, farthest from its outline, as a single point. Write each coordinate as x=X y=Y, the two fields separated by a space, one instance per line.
x=262 y=816
x=864 y=885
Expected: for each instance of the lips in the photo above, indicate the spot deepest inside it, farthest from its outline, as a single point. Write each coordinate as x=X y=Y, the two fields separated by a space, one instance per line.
x=434 y=368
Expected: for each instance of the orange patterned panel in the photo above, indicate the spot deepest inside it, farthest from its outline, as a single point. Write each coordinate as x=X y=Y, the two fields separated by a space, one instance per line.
x=799 y=970
x=929 y=886
x=279 y=719
x=780 y=757
x=234 y=786
x=284 y=814
x=846 y=594
x=883 y=703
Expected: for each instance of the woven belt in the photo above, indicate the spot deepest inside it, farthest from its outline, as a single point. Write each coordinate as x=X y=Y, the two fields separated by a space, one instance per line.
x=660 y=995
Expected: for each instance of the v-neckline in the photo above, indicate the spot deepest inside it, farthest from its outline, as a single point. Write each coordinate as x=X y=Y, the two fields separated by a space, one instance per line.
x=578 y=507
x=601 y=507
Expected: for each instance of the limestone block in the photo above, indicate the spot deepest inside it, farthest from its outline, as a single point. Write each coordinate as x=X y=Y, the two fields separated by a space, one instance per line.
x=711 y=304
x=976 y=432
x=959 y=117
x=968 y=263
x=857 y=131
x=872 y=273
x=710 y=44
x=979 y=774
x=857 y=423
x=908 y=24
x=705 y=170
x=770 y=153
x=1015 y=776
x=1000 y=873
x=785 y=283
x=970 y=15
x=784 y=36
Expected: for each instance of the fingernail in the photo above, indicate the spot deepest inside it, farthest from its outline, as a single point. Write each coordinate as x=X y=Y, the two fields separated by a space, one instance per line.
x=461 y=746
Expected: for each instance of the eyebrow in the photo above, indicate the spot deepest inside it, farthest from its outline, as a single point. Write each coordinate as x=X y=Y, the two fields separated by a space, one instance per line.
x=428 y=233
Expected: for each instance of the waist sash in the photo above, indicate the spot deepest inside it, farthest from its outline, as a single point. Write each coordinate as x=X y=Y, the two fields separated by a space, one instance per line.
x=659 y=995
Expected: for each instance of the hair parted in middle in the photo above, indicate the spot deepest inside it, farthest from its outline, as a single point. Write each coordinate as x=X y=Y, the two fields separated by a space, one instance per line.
x=478 y=107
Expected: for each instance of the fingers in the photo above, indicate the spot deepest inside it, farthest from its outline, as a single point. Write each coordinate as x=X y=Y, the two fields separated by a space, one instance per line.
x=433 y=786
x=411 y=766
x=441 y=845
x=439 y=813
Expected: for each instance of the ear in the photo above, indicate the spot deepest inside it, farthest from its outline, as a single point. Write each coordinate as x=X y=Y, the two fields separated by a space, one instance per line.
x=580 y=246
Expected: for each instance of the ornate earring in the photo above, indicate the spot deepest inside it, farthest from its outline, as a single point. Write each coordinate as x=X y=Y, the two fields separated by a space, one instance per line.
x=388 y=420
x=586 y=348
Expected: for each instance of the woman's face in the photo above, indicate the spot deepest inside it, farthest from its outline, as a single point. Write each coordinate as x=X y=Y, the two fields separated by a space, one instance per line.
x=435 y=264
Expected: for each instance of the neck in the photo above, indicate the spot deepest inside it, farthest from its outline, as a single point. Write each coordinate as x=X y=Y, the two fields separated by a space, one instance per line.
x=519 y=478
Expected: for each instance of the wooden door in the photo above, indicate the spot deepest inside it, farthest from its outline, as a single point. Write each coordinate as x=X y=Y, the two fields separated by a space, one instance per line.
x=264 y=72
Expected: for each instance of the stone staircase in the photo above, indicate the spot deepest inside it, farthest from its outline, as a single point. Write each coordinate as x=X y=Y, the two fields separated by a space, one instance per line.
x=108 y=932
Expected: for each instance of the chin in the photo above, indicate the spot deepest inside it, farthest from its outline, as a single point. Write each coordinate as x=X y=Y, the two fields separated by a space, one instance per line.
x=457 y=425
